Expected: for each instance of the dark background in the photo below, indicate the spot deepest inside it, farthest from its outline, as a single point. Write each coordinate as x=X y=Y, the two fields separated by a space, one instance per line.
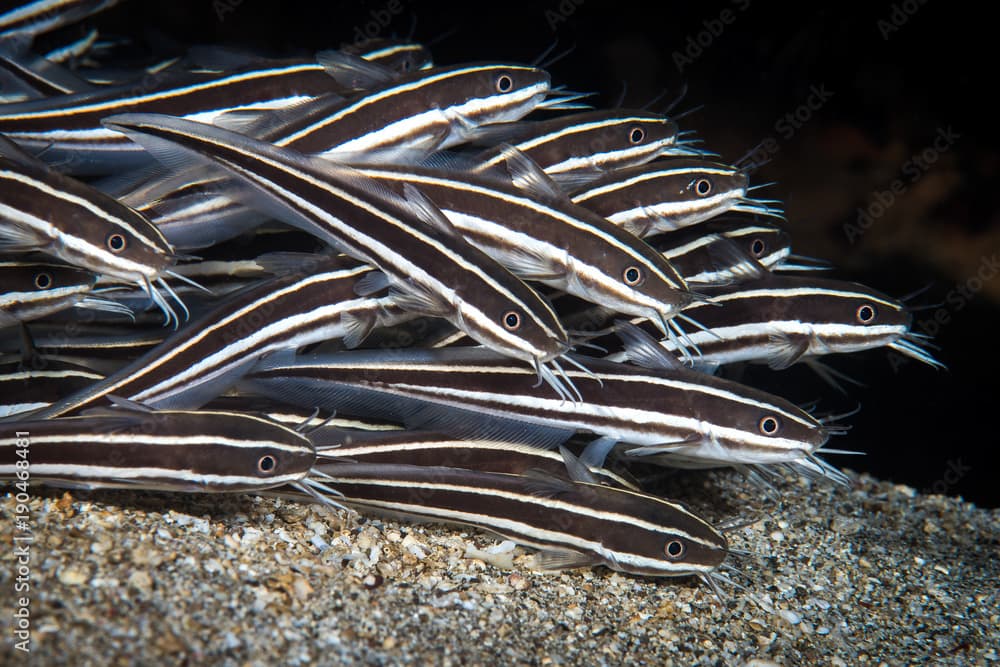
x=897 y=74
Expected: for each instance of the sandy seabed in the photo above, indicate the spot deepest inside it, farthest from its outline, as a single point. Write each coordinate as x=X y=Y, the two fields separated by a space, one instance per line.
x=872 y=574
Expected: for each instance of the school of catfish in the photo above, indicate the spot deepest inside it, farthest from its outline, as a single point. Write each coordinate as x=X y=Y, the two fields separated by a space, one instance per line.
x=454 y=292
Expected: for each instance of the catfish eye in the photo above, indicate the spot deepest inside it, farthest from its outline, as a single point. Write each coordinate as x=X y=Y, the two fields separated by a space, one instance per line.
x=116 y=242
x=702 y=187
x=674 y=549
x=504 y=83
x=266 y=464
x=866 y=314
x=406 y=65
x=757 y=247
x=632 y=276
x=636 y=135
x=769 y=425
x=511 y=320
x=43 y=280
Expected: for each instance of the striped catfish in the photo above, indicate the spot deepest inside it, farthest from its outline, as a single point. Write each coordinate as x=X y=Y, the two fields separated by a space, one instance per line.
x=31 y=18
x=202 y=360
x=31 y=290
x=422 y=111
x=428 y=109
x=426 y=448
x=582 y=145
x=724 y=250
x=67 y=129
x=574 y=524
x=101 y=347
x=27 y=76
x=669 y=194
x=75 y=49
x=539 y=235
x=684 y=418
x=781 y=320
x=131 y=448
x=26 y=388
x=431 y=268
x=41 y=209
x=399 y=55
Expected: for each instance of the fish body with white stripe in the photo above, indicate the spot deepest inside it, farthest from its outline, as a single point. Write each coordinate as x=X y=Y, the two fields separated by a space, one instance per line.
x=202 y=360
x=36 y=289
x=539 y=235
x=682 y=417
x=24 y=388
x=428 y=109
x=26 y=20
x=724 y=250
x=574 y=524
x=67 y=129
x=409 y=115
x=199 y=451
x=780 y=320
x=431 y=269
x=668 y=194
x=582 y=145
x=399 y=55
x=426 y=448
x=44 y=210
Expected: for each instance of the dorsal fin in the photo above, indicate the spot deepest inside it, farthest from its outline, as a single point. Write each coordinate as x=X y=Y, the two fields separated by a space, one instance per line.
x=11 y=151
x=427 y=211
x=353 y=72
x=725 y=253
x=528 y=176
x=642 y=350
x=578 y=472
